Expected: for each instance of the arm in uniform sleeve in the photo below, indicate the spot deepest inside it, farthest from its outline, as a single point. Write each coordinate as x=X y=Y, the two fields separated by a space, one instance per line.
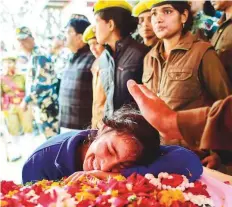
x=211 y=126
x=44 y=80
x=225 y=57
x=214 y=76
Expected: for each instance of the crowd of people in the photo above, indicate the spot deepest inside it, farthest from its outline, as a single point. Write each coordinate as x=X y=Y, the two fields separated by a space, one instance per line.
x=180 y=51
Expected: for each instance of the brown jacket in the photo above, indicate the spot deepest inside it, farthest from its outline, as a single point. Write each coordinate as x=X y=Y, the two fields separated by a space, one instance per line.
x=187 y=79
x=209 y=127
x=222 y=42
x=99 y=96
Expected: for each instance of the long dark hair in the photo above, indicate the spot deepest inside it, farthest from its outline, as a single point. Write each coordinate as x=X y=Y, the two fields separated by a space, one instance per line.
x=124 y=21
x=128 y=120
x=208 y=9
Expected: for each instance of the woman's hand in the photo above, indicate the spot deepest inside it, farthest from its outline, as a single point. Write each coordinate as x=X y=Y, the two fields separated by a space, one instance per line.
x=212 y=161
x=96 y=173
x=155 y=111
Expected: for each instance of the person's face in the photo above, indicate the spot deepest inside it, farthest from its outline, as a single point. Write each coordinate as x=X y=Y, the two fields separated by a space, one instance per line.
x=56 y=44
x=111 y=152
x=220 y=4
x=73 y=39
x=95 y=48
x=167 y=22
x=8 y=65
x=103 y=30
x=26 y=44
x=145 y=26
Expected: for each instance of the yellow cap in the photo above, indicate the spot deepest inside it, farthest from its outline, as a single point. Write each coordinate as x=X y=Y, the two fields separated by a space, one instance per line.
x=150 y=3
x=104 y=4
x=153 y=3
x=139 y=9
x=9 y=56
x=142 y=6
x=88 y=33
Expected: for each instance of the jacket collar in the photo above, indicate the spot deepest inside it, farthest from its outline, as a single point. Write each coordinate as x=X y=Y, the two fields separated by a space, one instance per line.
x=185 y=43
x=119 y=45
x=82 y=50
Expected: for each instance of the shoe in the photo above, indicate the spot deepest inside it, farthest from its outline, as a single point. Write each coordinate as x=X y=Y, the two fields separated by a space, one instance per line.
x=14 y=159
x=13 y=154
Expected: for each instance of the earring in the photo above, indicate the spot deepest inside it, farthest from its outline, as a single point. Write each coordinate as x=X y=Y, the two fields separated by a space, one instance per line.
x=183 y=25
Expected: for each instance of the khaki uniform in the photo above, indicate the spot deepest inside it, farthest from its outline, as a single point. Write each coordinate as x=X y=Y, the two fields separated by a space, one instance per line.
x=208 y=127
x=188 y=77
x=99 y=97
x=12 y=93
x=222 y=42
x=191 y=77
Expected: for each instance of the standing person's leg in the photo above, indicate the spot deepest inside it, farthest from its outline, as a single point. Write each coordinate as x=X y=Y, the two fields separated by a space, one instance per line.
x=49 y=123
x=26 y=119
x=12 y=121
x=14 y=130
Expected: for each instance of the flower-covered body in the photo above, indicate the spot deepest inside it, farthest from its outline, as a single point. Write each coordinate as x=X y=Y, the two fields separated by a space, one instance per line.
x=134 y=191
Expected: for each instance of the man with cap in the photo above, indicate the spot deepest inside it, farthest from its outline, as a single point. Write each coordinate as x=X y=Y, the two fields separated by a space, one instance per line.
x=41 y=90
x=99 y=96
x=142 y=11
x=76 y=82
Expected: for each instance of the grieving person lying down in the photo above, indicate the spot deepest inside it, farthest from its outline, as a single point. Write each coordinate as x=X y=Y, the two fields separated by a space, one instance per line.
x=126 y=143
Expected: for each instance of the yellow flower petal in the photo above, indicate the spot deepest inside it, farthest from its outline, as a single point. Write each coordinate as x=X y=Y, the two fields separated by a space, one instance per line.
x=85 y=196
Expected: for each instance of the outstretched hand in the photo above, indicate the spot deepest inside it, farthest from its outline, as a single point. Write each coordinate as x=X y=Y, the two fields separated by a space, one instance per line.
x=155 y=111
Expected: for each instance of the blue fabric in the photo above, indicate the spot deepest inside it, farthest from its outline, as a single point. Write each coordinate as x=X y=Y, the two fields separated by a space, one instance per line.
x=173 y=159
x=107 y=75
x=56 y=158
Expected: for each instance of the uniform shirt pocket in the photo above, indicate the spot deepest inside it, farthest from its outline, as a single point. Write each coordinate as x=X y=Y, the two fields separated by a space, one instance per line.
x=179 y=75
x=181 y=84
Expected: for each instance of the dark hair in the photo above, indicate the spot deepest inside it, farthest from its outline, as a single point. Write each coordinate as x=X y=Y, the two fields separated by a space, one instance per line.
x=78 y=24
x=128 y=120
x=79 y=16
x=181 y=6
x=208 y=9
x=124 y=21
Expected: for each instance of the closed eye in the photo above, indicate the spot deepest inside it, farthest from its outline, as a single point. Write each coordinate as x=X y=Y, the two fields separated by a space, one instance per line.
x=113 y=151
